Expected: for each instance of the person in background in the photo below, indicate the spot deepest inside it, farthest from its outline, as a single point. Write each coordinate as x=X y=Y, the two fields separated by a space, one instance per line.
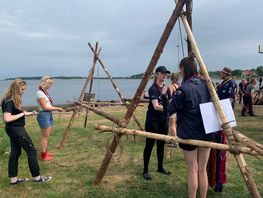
x=216 y=85
x=248 y=98
x=156 y=122
x=217 y=160
x=241 y=89
x=14 y=118
x=171 y=91
x=44 y=117
x=185 y=102
x=228 y=87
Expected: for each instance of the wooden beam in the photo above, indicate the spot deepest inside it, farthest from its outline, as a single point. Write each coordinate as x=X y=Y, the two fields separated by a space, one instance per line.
x=168 y=138
x=156 y=55
x=91 y=81
x=145 y=79
x=81 y=97
x=115 y=86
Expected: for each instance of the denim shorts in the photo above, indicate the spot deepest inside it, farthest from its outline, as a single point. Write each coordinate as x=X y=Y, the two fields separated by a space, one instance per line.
x=44 y=119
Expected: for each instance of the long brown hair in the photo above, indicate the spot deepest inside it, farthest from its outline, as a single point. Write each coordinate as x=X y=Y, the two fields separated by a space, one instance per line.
x=190 y=67
x=13 y=92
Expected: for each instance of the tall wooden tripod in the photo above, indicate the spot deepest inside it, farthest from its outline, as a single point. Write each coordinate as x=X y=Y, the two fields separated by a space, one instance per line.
x=192 y=46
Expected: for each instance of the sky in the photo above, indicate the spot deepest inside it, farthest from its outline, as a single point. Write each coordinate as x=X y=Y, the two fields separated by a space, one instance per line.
x=50 y=37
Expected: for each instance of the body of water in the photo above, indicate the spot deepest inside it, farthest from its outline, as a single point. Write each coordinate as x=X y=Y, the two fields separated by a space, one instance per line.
x=69 y=90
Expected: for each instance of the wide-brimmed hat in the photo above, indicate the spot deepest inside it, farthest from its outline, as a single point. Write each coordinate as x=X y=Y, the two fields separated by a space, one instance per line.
x=227 y=71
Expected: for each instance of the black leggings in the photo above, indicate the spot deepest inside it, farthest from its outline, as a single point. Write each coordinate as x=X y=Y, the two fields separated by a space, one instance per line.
x=160 y=127
x=20 y=139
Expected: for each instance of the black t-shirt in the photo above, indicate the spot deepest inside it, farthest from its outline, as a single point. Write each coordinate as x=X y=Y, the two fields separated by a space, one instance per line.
x=155 y=93
x=9 y=106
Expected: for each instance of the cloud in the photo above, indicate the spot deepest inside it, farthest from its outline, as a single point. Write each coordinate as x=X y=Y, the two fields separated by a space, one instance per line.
x=6 y=24
x=52 y=34
x=48 y=34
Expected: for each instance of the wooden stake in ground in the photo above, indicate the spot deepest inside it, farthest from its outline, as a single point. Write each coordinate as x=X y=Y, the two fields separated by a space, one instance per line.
x=147 y=75
x=239 y=157
x=81 y=97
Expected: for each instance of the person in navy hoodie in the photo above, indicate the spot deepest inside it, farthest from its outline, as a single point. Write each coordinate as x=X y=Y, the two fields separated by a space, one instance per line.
x=185 y=103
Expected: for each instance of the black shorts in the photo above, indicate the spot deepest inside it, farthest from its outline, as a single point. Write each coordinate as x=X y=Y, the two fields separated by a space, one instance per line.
x=187 y=147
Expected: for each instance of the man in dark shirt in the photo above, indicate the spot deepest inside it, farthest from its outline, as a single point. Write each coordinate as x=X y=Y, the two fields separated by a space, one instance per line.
x=248 y=98
x=241 y=89
x=227 y=89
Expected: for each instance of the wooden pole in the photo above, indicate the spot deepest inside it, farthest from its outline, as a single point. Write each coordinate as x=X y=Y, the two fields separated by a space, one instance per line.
x=91 y=81
x=167 y=138
x=157 y=53
x=249 y=142
x=146 y=77
x=115 y=86
x=189 y=8
x=90 y=76
x=99 y=112
x=81 y=97
x=239 y=157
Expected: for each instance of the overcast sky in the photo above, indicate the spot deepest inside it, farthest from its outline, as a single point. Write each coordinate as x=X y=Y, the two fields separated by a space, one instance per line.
x=50 y=37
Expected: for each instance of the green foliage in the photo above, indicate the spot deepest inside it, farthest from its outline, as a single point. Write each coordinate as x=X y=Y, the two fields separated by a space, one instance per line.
x=214 y=73
x=137 y=76
x=237 y=72
x=259 y=71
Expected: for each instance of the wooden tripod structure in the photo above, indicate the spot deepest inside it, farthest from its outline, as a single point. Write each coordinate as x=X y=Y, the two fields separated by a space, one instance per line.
x=90 y=78
x=233 y=137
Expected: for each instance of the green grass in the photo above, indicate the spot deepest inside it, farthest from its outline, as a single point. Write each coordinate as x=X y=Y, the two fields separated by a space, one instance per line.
x=75 y=166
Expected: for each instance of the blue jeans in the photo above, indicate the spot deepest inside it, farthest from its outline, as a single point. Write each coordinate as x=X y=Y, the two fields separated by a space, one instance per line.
x=44 y=119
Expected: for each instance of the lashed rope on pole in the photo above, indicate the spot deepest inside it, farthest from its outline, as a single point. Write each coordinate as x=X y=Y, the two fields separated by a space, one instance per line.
x=167 y=138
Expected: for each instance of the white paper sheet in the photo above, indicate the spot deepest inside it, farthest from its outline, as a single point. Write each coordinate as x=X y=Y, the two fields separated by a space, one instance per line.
x=211 y=120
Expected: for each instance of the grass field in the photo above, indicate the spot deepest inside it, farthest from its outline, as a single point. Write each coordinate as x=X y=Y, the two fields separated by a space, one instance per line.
x=75 y=167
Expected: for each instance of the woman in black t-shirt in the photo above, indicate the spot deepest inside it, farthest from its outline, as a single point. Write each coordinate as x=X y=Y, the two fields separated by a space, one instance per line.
x=14 y=118
x=156 y=122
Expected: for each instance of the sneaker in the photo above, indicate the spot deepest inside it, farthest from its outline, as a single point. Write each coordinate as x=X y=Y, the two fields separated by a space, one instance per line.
x=50 y=154
x=19 y=181
x=45 y=157
x=43 y=179
x=147 y=176
x=163 y=171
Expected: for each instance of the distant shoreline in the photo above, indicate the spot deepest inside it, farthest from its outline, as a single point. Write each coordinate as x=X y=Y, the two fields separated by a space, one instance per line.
x=67 y=78
x=213 y=74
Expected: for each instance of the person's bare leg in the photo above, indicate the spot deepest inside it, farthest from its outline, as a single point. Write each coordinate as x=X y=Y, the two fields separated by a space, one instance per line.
x=172 y=126
x=203 y=155
x=44 y=139
x=192 y=166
